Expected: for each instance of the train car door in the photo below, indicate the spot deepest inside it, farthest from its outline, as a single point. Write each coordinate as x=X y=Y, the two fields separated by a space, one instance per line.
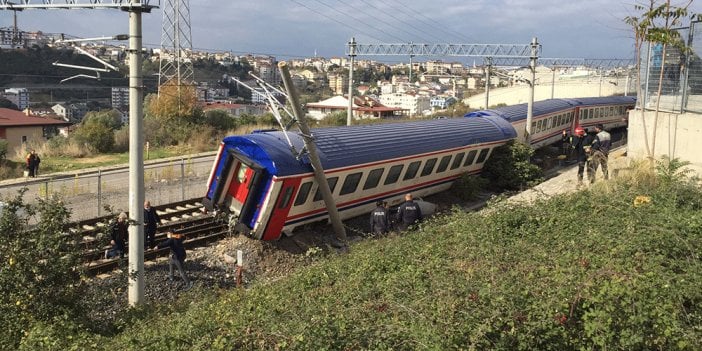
x=245 y=188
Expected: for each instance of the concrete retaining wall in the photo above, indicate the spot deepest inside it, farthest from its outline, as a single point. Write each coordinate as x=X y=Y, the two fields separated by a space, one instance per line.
x=677 y=136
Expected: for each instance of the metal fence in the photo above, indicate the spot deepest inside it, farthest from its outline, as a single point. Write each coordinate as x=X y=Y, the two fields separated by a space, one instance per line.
x=88 y=193
x=679 y=75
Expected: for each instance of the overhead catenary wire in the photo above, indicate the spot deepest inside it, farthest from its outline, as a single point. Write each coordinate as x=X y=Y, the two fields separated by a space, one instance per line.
x=409 y=24
x=430 y=20
x=337 y=21
x=359 y=21
x=384 y=19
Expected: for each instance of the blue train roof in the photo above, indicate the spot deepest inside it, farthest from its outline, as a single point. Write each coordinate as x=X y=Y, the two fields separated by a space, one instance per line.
x=355 y=145
x=518 y=112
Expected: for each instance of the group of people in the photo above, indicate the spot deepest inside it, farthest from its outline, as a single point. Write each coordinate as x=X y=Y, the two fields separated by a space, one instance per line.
x=32 y=166
x=119 y=233
x=591 y=151
x=409 y=213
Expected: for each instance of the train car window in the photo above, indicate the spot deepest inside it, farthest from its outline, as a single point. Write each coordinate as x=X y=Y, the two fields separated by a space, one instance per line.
x=483 y=155
x=428 y=167
x=559 y=120
x=470 y=158
x=394 y=174
x=302 y=194
x=332 y=185
x=241 y=175
x=611 y=110
x=412 y=170
x=533 y=127
x=350 y=183
x=373 y=178
x=457 y=161
x=443 y=164
x=287 y=195
x=538 y=125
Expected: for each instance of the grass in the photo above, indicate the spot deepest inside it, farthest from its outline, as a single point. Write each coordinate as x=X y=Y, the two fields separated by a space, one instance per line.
x=592 y=270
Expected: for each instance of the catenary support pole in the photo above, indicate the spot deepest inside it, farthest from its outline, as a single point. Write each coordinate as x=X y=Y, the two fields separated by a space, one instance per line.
x=488 y=66
x=352 y=55
x=532 y=83
x=136 y=162
x=312 y=150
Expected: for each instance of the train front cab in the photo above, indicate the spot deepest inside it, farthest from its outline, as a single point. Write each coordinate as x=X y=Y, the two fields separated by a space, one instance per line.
x=239 y=187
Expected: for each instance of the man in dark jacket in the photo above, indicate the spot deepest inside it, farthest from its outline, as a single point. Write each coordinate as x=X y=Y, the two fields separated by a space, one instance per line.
x=118 y=236
x=379 y=220
x=580 y=143
x=600 y=152
x=175 y=242
x=408 y=213
x=151 y=221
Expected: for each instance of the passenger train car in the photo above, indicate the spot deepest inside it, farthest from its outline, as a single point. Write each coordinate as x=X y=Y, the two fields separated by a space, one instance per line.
x=257 y=178
x=259 y=181
x=551 y=117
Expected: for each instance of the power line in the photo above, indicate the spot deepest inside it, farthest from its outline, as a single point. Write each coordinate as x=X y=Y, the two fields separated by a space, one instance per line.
x=417 y=13
x=358 y=20
x=383 y=20
x=401 y=20
x=335 y=20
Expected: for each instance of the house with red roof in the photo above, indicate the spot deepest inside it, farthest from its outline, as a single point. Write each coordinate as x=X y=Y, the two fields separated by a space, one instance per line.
x=363 y=107
x=20 y=129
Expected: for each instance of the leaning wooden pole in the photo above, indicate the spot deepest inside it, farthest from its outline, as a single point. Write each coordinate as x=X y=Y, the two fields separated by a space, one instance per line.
x=312 y=150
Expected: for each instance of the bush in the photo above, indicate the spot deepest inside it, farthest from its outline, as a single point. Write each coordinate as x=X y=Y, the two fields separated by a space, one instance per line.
x=40 y=279
x=469 y=186
x=509 y=167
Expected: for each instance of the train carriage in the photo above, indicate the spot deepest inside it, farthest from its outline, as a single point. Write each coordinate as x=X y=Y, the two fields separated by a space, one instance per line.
x=551 y=117
x=258 y=180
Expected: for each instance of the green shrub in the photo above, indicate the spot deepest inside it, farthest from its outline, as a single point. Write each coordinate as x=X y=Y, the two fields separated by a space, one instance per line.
x=40 y=279
x=509 y=167
x=468 y=187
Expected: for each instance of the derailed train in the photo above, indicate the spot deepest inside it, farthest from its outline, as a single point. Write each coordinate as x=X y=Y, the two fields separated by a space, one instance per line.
x=268 y=191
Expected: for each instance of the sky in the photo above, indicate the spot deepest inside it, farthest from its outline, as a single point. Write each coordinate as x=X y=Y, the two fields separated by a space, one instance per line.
x=291 y=29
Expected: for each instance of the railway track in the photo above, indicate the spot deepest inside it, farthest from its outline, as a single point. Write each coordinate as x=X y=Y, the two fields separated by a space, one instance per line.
x=185 y=216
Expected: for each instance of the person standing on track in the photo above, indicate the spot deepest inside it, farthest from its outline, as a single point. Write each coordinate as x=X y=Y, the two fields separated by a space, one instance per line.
x=408 y=213
x=118 y=237
x=175 y=243
x=151 y=221
x=600 y=152
x=379 y=219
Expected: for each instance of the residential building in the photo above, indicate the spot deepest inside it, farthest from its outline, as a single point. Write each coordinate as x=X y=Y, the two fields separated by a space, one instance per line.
x=338 y=83
x=236 y=110
x=19 y=129
x=71 y=112
x=363 y=107
x=442 y=102
x=120 y=98
x=415 y=104
x=18 y=96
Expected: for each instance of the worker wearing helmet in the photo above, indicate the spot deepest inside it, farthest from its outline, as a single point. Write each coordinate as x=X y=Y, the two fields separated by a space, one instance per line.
x=581 y=145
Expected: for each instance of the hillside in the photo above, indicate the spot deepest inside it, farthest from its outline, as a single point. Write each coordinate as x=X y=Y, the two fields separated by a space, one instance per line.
x=615 y=266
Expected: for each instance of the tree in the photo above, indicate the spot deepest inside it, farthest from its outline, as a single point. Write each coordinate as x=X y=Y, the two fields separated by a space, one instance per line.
x=175 y=104
x=97 y=133
x=5 y=103
x=656 y=25
x=220 y=120
x=40 y=278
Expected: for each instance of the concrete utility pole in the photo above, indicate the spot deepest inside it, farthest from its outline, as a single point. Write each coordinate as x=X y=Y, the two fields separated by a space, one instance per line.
x=136 y=163
x=488 y=65
x=530 y=104
x=352 y=54
x=312 y=149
